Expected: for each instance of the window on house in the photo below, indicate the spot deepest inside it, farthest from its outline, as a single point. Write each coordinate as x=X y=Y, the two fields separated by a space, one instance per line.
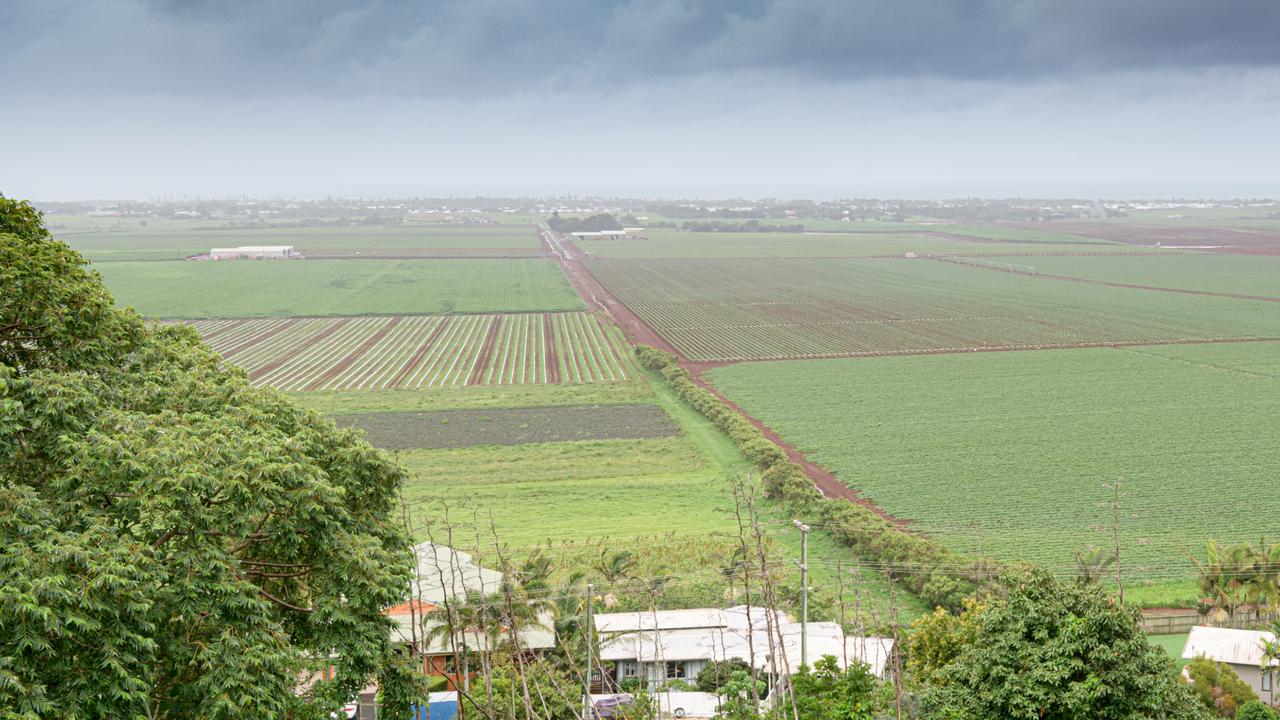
x=627 y=669
x=675 y=670
x=1266 y=681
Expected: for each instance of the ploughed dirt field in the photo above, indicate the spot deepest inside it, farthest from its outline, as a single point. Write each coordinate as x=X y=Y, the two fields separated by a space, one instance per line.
x=510 y=426
x=1219 y=239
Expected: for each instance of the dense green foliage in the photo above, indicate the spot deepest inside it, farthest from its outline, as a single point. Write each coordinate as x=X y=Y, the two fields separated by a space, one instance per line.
x=1041 y=648
x=825 y=692
x=173 y=542
x=286 y=288
x=1218 y=687
x=717 y=673
x=935 y=574
x=1256 y=710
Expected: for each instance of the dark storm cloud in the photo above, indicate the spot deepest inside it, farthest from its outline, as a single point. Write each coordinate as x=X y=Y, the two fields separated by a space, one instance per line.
x=495 y=47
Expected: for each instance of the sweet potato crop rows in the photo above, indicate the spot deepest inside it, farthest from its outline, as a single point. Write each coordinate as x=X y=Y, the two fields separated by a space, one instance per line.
x=373 y=353
x=750 y=308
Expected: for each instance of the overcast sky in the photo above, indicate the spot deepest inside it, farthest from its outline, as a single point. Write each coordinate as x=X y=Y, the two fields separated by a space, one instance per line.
x=825 y=98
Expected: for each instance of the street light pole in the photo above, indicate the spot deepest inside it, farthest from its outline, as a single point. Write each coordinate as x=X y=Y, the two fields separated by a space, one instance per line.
x=586 y=682
x=804 y=591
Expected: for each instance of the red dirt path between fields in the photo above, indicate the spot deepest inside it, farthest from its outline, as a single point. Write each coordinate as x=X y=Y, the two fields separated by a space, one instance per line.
x=485 y=351
x=418 y=355
x=308 y=343
x=637 y=332
x=354 y=355
x=259 y=338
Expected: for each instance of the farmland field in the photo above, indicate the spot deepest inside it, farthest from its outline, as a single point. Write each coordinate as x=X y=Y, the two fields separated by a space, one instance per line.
x=736 y=309
x=1009 y=454
x=1208 y=272
x=661 y=243
x=178 y=240
x=511 y=426
x=237 y=289
x=647 y=496
x=420 y=351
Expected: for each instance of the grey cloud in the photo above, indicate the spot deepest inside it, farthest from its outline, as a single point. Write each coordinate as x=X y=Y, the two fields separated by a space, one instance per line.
x=496 y=47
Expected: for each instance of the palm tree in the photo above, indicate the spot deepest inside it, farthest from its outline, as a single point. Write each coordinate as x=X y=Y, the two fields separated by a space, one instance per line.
x=1091 y=563
x=614 y=568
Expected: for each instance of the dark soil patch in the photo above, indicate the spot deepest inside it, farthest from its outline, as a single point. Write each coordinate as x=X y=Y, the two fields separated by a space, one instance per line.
x=511 y=426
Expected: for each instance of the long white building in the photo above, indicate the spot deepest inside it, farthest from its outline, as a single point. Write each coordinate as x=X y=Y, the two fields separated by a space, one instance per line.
x=678 y=644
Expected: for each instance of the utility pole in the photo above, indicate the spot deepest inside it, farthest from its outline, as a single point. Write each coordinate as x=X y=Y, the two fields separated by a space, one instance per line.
x=586 y=682
x=804 y=591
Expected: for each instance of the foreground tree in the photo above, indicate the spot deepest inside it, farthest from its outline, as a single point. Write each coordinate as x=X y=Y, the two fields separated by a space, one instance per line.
x=1041 y=648
x=173 y=541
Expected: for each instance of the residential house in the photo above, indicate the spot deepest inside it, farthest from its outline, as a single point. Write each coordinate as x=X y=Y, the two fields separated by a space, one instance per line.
x=1240 y=649
x=653 y=647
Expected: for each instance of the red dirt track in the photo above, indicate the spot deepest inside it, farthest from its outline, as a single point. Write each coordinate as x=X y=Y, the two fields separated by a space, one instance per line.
x=485 y=351
x=637 y=332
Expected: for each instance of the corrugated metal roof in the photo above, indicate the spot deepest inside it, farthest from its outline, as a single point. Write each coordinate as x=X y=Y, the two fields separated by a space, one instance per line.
x=1228 y=645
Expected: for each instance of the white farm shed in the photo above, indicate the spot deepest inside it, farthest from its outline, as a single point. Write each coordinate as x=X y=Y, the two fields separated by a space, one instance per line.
x=253 y=252
x=1241 y=649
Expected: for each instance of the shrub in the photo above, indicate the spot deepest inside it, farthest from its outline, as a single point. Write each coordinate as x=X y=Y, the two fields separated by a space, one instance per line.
x=1218 y=687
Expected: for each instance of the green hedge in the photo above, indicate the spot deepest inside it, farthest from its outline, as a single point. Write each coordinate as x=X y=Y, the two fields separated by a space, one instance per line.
x=932 y=572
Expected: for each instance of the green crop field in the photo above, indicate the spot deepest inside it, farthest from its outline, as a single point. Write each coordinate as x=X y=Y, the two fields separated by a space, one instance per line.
x=1010 y=454
x=1210 y=272
x=660 y=243
x=735 y=309
x=175 y=240
x=287 y=288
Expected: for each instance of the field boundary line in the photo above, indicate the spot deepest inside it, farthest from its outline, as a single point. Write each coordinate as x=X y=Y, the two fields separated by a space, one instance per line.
x=1107 y=283
x=991 y=348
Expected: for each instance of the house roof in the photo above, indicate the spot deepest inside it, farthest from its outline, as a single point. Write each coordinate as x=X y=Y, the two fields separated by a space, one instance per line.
x=1228 y=645
x=445 y=573
x=721 y=634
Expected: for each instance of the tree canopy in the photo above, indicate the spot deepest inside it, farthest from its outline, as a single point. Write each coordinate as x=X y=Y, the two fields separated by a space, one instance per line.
x=1040 y=648
x=175 y=542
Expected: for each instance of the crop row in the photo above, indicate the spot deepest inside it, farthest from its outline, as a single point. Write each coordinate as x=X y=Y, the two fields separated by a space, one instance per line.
x=745 y=308
x=299 y=354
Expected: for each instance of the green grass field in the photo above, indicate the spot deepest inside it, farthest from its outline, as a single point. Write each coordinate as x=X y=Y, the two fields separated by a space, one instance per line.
x=337 y=287
x=1211 y=272
x=1010 y=454
x=174 y=240
x=660 y=243
x=665 y=499
x=1173 y=645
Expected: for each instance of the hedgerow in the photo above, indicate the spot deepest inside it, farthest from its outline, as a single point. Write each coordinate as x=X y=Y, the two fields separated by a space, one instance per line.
x=927 y=568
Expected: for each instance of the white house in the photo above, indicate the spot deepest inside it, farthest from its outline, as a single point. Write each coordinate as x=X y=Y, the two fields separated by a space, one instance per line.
x=1241 y=649
x=678 y=644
